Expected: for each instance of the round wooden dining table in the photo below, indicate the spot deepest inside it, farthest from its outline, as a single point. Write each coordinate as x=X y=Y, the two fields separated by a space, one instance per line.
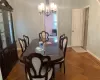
x=51 y=49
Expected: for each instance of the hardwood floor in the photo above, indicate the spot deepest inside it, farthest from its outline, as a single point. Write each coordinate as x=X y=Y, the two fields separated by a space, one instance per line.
x=79 y=66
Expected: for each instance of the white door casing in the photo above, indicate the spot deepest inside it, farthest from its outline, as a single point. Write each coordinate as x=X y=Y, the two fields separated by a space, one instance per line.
x=77 y=27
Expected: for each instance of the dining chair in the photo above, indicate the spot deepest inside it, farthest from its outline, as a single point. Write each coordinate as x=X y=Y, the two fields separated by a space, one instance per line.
x=61 y=41
x=22 y=44
x=26 y=40
x=44 y=36
x=38 y=69
x=64 y=44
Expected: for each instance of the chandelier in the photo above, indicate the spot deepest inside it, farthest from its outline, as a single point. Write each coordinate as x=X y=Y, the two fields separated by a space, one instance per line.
x=47 y=8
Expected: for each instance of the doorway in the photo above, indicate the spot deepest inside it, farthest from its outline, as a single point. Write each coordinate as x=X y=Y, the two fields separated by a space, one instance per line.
x=51 y=25
x=80 y=27
x=86 y=18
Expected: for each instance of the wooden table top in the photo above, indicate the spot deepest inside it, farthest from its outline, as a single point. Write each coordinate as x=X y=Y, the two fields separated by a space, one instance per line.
x=51 y=50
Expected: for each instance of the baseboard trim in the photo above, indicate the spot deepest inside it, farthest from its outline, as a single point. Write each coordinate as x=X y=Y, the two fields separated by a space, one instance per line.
x=93 y=55
x=69 y=46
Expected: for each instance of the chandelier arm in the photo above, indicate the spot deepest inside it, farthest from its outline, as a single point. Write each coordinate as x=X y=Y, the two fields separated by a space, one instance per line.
x=48 y=13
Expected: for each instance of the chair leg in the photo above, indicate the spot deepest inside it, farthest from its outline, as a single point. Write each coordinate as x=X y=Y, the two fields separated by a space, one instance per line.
x=60 y=65
x=52 y=78
x=64 y=67
x=54 y=71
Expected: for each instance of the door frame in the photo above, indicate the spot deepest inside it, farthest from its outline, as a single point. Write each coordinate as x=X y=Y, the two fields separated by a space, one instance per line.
x=85 y=39
x=86 y=28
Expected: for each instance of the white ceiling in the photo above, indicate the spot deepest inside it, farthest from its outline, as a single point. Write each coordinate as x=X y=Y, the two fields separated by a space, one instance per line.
x=60 y=3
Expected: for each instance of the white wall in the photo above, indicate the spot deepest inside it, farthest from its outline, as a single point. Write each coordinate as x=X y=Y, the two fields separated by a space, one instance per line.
x=94 y=28
x=79 y=3
x=65 y=15
x=28 y=21
x=64 y=22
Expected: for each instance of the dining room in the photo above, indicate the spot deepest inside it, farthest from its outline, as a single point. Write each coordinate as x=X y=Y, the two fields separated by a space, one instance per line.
x=49 y=40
